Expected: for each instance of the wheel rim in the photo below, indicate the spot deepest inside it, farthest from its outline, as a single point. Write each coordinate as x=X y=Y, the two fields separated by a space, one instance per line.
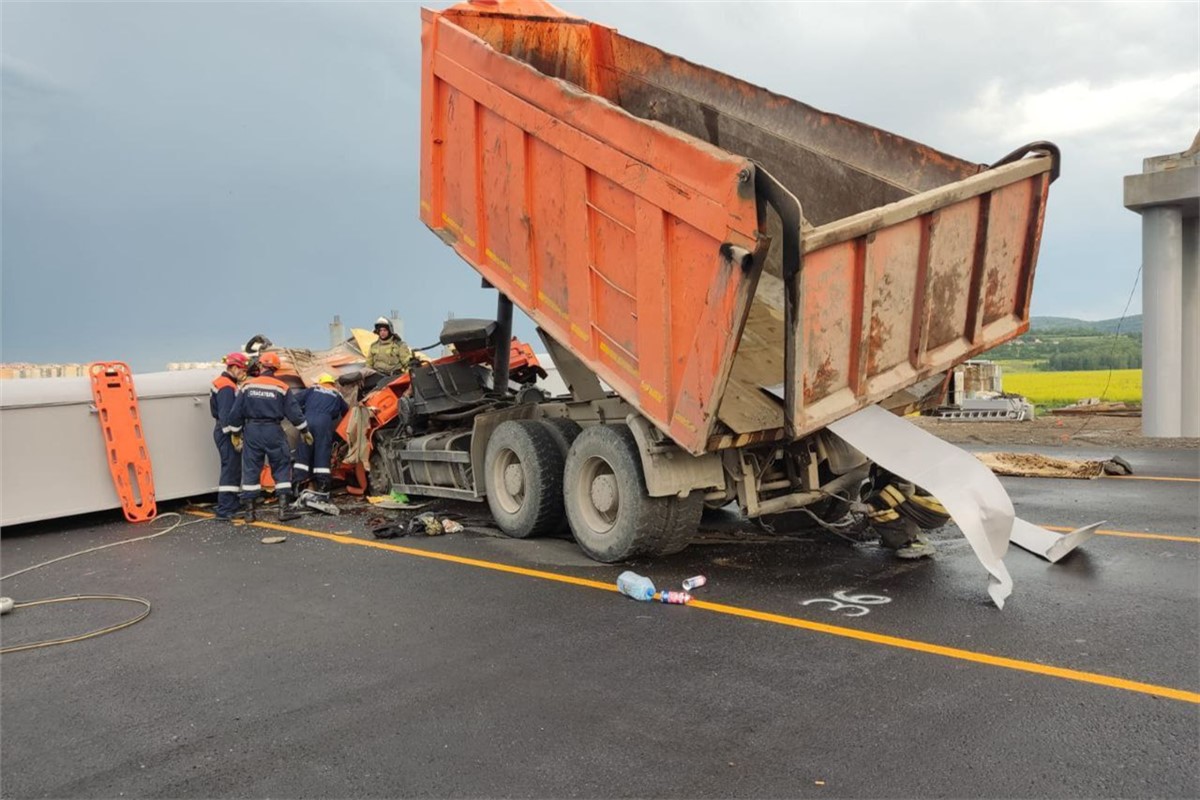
x=508 y=481
x=599 y=496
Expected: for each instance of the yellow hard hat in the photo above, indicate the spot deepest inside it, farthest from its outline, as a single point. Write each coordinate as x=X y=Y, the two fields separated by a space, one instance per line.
x=325 y=377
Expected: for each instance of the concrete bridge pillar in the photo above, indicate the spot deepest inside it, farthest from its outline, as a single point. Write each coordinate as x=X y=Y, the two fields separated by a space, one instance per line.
x=1167 y=195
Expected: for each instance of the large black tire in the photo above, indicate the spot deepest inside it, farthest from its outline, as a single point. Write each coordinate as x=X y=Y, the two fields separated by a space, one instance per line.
x=523 y=477
x=378 y=480
x=611 y=515
x=564 y=432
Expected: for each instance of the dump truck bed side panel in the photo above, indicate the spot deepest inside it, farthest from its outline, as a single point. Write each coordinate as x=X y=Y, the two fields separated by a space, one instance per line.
x=892 y=296
x=614 y=249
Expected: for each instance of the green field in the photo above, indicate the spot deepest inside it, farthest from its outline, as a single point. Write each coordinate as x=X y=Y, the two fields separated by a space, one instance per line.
x=1053 y=389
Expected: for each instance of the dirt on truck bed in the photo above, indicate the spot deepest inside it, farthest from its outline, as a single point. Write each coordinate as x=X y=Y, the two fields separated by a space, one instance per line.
x=1077 y=431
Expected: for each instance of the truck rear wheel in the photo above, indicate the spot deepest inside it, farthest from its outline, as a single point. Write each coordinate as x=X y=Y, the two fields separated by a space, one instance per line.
x=611 y=515
x=523 y=475
x=564 y=432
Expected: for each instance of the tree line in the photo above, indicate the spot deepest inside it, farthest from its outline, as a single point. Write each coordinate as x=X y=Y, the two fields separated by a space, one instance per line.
x=1061 y=353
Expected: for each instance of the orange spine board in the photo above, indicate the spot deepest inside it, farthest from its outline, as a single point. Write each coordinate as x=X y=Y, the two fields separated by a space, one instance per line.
x=124 y=443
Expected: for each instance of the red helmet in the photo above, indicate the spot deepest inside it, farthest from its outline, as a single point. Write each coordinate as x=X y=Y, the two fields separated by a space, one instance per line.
x=237 y=360
x=269 y=360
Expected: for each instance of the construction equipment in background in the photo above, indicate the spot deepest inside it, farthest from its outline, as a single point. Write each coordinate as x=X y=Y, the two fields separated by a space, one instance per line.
x=976 y=393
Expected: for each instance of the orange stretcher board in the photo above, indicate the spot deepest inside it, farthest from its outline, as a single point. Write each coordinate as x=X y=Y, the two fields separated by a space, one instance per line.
x=125 y=446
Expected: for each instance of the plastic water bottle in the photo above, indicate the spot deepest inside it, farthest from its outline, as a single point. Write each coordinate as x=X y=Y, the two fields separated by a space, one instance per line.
x=636 y=586
x=694 y=582
x=675 y=598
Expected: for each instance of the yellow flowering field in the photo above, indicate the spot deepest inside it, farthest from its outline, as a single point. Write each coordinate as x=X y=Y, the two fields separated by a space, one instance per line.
x=1064 y=388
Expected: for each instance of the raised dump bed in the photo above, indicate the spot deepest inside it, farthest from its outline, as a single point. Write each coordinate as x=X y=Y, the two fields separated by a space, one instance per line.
x=737 y=265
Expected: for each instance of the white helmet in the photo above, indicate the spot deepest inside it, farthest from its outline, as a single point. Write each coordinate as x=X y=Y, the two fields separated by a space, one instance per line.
x=383 y=322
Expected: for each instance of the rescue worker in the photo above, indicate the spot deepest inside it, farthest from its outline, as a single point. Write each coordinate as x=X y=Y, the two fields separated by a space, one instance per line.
x=899 y=511
x=388 y=355
x=323 y=408
x=227 y=435
x=262 y=404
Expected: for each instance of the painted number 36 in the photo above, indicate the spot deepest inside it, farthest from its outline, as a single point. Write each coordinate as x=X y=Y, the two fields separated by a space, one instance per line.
x=855 y=605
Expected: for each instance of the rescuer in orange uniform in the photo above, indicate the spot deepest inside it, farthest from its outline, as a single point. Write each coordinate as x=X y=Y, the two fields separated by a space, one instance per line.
x=220 y=402
x=262 y=403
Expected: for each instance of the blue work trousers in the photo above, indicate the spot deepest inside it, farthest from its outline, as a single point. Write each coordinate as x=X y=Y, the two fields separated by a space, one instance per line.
x=231 y=470
x=315 y=459
x=265 y=442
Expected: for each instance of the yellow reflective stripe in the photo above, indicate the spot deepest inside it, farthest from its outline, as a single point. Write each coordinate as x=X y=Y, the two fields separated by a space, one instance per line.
x=931 y=503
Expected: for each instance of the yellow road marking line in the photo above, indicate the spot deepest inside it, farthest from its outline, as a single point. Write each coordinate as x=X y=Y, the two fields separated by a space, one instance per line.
x=1149 y=478
x=777 y=619
x=1131 y=534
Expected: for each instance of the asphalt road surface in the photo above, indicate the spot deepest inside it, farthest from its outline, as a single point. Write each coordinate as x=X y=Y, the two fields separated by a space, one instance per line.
x=467 y=665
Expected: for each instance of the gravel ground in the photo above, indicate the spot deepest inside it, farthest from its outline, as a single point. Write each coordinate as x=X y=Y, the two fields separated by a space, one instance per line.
x=1050 y=431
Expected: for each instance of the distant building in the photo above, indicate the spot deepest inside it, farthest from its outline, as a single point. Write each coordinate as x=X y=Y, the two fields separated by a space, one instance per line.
x=176 y=366
x=17 y=371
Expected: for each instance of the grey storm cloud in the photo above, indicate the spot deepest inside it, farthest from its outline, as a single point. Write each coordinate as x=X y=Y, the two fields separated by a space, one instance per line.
x=177 y=177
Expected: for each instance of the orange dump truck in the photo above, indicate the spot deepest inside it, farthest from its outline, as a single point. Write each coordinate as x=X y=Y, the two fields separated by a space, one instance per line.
x=738 y=268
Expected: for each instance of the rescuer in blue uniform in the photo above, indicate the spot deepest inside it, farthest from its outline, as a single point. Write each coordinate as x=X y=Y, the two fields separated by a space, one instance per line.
x=323 y=408
x=262 y=403
x=227 y=436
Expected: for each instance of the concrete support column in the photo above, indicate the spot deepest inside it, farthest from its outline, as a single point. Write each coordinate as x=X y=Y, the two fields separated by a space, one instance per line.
x=1190 y=376
x=1162 y=331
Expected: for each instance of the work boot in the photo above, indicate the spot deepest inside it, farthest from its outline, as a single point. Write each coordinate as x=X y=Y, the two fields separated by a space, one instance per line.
x=920 y=547
x=249 y=507
x=286 y=511
x=322 y=485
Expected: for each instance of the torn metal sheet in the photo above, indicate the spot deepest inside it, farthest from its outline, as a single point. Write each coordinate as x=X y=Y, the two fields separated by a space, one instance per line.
x=968 y=489
x=1047 y=544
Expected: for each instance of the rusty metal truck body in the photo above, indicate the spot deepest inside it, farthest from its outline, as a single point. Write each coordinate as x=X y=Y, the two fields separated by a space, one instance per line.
x=740 y=268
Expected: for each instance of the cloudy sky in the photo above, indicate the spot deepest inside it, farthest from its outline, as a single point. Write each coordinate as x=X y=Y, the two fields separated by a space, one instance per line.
x=180 y=176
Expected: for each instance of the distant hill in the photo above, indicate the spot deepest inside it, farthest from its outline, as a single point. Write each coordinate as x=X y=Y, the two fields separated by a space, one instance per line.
x=1131 y=324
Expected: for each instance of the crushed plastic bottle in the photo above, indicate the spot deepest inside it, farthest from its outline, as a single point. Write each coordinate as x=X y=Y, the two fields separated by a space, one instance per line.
x=694 y=582
x=636 y=586
x=676 y=598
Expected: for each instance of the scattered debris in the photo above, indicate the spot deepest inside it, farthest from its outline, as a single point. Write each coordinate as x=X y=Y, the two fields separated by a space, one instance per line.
x=317 y=501
x=694 y=582
x=273 y=539
x=390 y=502
x=389 y=531
x=426 y=523
x=1050 y=546
x=451 y=526
x=636 y=586
x=1094 y=406
x=1033 y=465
